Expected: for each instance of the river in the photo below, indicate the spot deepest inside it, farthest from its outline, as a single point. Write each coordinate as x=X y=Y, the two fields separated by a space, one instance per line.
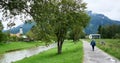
x=18 y=55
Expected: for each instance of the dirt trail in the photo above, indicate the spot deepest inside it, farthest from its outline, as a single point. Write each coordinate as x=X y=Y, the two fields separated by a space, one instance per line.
x=97 y=56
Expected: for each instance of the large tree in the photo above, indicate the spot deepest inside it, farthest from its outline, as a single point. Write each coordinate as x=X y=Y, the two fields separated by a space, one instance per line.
x=54 y=18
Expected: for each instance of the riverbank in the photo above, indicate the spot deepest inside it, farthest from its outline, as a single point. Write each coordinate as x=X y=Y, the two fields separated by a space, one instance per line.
x=72 y=53
x=13 y=46
x=13 y=56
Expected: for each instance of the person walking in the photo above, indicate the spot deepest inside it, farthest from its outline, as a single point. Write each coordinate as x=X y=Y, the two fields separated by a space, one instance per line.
x=93 y=44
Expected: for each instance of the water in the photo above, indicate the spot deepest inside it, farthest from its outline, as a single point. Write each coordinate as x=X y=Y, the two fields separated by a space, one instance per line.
x=18 y=55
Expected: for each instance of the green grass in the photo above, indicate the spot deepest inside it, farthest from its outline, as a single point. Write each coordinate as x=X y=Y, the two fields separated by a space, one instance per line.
x=12 y=46
x=72 y=53
x=112 y=46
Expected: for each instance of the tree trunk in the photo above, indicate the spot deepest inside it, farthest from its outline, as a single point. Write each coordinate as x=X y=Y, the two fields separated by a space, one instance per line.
x=59 y=44
x=60 y=39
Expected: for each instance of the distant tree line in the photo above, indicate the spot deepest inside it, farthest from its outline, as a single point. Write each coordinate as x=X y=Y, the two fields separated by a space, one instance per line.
x=109 y=31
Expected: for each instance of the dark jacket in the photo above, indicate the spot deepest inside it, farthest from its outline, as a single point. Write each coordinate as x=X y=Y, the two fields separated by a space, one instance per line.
x=93 y=43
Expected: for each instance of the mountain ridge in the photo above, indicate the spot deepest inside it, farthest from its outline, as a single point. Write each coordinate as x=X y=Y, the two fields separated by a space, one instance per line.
x=97 y=20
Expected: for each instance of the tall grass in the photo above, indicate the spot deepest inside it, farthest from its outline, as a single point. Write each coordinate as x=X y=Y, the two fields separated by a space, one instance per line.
x=112 y=46
x=72 y=53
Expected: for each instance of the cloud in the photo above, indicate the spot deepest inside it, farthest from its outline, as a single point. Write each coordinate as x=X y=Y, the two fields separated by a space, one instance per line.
x=110 y=8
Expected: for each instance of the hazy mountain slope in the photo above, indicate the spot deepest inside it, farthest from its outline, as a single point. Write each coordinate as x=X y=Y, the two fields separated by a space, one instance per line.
x=96 y=21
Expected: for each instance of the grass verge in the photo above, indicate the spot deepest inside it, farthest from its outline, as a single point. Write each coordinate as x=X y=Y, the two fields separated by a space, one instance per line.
x=72 y=53
x=12 y=46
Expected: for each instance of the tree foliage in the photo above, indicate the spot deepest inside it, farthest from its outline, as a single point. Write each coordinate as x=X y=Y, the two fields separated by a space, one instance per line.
x=3 y=36
x=13 y=6
x=110 y=31
x=55 y=18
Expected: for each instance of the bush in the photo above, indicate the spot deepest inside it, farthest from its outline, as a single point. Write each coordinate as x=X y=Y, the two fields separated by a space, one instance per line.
x=1 y=36
x=117 y=36
x=4 y=37
x=14 y=38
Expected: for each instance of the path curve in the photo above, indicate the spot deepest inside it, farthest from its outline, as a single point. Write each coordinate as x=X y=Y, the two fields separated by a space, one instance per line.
x=97 y=56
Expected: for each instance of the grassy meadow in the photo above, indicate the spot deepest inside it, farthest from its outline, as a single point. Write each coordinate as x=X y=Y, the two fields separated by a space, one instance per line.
x=112 y=46
x=72 y=53
x=12 y=46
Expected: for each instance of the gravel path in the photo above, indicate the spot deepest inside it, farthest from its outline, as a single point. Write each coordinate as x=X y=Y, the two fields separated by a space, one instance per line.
x=97 y=56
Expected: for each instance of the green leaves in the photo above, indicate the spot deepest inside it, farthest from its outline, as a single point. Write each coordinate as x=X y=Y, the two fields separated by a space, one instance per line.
x=57 y=17
x=1 y=26
x=14 y=6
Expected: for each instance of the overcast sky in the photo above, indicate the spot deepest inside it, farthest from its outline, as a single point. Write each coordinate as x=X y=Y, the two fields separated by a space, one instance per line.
x=110 y=8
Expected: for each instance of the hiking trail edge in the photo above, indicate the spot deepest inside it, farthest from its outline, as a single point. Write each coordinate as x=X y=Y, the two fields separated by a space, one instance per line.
x=97 y=56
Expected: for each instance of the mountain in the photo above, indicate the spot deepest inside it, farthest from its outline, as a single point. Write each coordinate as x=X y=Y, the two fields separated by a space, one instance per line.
x=25 y=27
x=96 y=21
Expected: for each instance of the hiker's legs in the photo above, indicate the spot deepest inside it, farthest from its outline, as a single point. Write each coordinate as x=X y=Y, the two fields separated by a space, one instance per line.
x=93 y=48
